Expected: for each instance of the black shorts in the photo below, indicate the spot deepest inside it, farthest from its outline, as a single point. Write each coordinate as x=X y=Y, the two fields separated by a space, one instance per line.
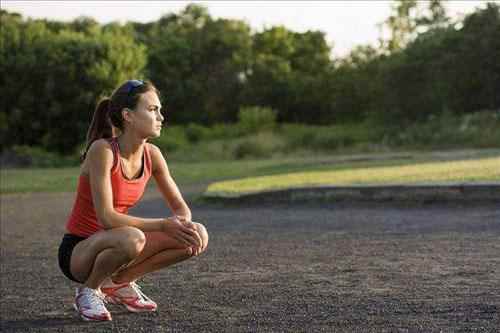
x=68 y=243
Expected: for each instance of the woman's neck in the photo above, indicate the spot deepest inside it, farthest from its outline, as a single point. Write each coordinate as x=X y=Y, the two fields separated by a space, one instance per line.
x=130 y=147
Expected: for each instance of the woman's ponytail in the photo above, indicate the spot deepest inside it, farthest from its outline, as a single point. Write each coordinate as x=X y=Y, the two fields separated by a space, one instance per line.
x=100 y=126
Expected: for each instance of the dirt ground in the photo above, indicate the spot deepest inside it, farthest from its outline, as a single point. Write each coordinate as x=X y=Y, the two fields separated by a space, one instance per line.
x=280 y=268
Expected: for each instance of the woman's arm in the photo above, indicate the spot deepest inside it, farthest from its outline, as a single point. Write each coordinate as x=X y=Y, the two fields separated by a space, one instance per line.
x=100 y=158
x=167 y=185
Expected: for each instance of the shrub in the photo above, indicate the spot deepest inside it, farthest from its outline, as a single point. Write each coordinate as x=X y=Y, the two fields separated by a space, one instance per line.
x=447 y=130
x=262 y=145
x=36 y=157
x=172 y=139
x=249 y=148
x=330 y=140
x=224 y=131
x=195 y=132
x=297 y=136
x=326 y=137
x=254 y=119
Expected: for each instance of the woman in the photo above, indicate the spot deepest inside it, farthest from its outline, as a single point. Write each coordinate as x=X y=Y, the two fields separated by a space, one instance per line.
x=105 y=249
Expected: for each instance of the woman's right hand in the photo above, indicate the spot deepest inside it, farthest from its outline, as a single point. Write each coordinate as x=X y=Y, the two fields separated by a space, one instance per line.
x=181 y=232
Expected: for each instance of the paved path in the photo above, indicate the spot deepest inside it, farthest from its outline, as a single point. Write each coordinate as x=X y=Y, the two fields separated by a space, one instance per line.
x=277 y=268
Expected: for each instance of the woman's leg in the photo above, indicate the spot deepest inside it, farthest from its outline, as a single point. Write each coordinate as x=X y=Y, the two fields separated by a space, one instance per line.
x=160 y=251
x=100 y=255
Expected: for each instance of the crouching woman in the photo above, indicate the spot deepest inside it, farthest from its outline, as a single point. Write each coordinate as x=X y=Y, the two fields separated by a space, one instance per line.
x=106 y=249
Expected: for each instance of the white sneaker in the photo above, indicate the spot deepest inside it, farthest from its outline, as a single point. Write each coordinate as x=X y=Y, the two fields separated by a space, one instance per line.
x=129 y=295
x=90 y=305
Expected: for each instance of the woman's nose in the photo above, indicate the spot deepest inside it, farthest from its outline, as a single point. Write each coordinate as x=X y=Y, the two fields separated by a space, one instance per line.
x=160 y=116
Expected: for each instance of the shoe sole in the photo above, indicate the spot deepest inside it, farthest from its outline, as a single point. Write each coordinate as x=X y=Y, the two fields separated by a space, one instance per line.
x=87 y=318
x=112 y=300
x=131 y=309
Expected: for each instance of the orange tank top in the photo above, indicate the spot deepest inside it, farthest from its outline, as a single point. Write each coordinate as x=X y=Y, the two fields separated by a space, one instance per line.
x=126 y=193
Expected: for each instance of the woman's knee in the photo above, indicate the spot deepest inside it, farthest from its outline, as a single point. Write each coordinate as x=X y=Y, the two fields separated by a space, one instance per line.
x=202 y=231
x=131 y=241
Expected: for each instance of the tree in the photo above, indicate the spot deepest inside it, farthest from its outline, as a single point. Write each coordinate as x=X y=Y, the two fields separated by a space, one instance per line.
x=200 y=63
x=475 y=69
x=444 y=70
x=410 y=17
x=288 y=73
x=402 y=24
x=436 y=16
x=58 y=79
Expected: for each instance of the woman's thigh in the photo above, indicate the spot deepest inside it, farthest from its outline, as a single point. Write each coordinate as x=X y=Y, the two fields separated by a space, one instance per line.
x=157 y=241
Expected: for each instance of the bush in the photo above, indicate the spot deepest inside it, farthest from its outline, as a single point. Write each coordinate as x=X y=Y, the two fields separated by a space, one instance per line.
x=297 y=135
x=326 y=137
x=195 y=132
x=36 y=157
x=261 y=145
x=254 y=119
x=249 y=148
x=486 y=128
x=224 y=131
x=172 y=139
x=330 y=140
x=479 y=129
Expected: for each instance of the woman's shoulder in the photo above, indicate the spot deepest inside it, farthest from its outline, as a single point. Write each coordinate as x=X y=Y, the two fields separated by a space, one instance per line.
x=156 y=154
x=153 y=149
x=100 y=153
x=100 y=146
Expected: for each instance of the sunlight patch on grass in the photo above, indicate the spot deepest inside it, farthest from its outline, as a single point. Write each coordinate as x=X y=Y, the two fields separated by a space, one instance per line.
x=480 y=170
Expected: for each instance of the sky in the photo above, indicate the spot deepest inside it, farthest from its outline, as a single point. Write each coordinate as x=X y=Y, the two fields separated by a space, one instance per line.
x=345 y=23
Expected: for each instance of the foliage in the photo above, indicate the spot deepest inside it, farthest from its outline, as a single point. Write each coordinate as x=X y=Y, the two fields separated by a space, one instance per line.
x=447 y=131
x=262 y=145
x=198 y=62
x=52 y=79
x=255 y=119
x=224 y=142
x=174 y=139
x=36 y=157
x=409 y=17
x=443 y=70
x=327 y=138
x=52 y=74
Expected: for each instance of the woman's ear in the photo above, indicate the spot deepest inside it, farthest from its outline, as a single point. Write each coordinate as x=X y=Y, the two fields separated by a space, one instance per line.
x=126 y=115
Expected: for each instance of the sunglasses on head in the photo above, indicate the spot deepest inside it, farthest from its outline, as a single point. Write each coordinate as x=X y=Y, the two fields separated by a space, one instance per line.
x=132 y=84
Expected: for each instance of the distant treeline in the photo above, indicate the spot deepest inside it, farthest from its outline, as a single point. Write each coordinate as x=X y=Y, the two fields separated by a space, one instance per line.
x=52 y=73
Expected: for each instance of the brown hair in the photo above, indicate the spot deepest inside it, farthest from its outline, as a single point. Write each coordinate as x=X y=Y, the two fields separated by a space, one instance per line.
x=108 y=112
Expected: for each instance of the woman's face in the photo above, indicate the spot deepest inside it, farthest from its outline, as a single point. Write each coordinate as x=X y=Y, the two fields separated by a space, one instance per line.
x=146 y=119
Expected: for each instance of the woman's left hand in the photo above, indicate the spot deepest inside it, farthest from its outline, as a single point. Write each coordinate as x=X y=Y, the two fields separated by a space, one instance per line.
x=191 y=225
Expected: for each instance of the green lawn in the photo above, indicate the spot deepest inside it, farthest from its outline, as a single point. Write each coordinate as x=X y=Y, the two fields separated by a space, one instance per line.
x=475 y=170
x=65 y=179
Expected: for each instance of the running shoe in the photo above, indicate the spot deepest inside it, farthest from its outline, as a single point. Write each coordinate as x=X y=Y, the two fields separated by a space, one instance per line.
x=129 y=295
x=90 y=305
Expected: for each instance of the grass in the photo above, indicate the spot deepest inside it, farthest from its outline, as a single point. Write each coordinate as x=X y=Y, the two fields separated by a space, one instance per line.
x=65 y=179
x=478 y=170
x=38 y=180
